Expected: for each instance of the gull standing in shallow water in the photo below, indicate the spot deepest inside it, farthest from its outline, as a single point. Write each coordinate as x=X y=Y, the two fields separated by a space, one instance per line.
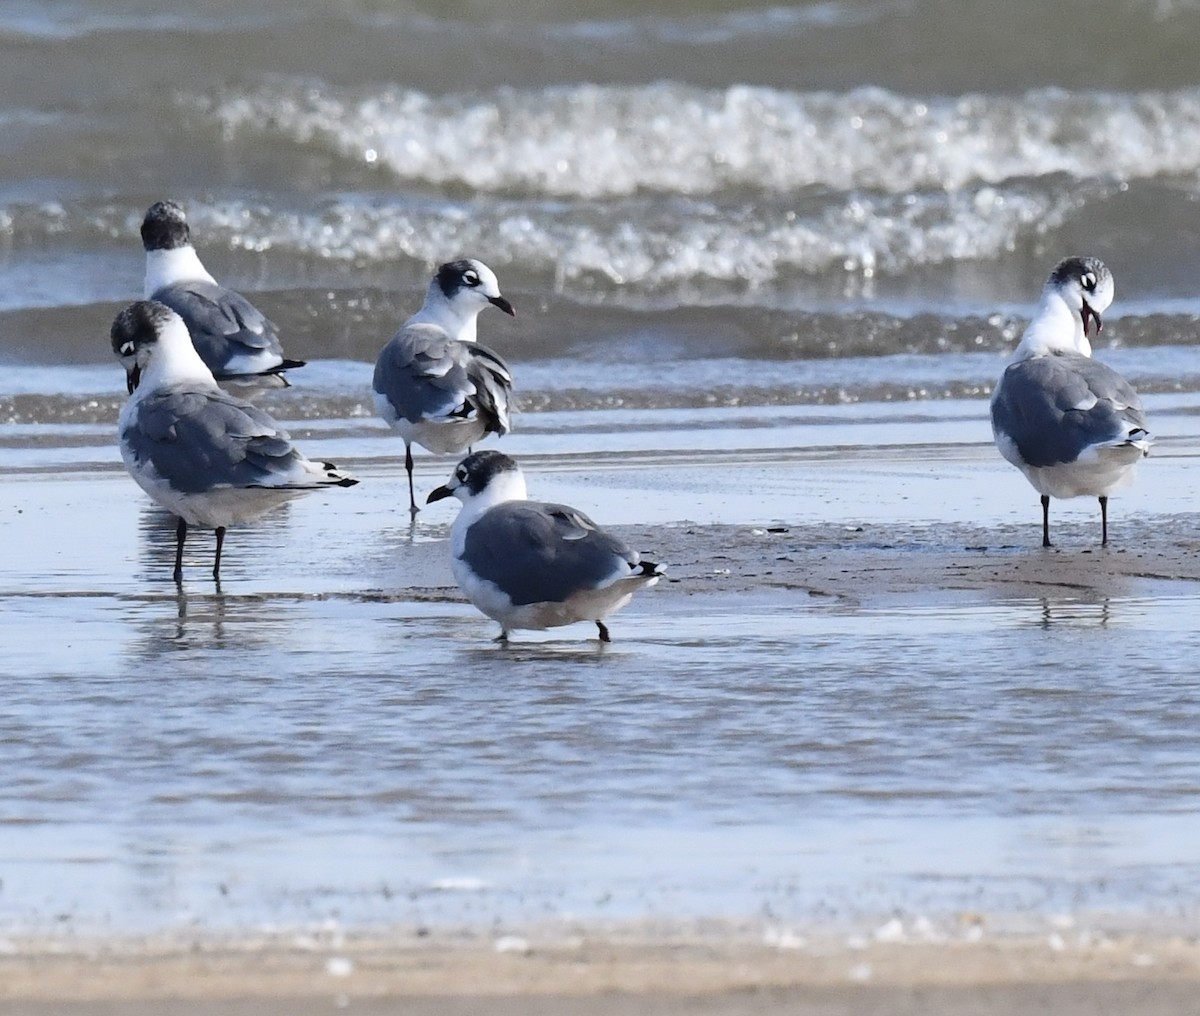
x=532 y=565
x=433 y=382
x=231 y=335
x=207 y=456
x=1073 y=426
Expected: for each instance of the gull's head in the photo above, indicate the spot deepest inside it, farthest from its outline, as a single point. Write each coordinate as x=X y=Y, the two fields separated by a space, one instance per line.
x=165 y=227
x=487 y=477
x=1085 y=285
x=137 y=332
x=469 y=286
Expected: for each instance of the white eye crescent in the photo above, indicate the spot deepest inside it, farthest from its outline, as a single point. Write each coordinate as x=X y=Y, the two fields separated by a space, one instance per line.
x=1088 y=281
x=127 y=349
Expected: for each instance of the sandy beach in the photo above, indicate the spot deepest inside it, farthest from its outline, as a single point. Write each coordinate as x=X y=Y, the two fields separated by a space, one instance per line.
x=713 y=970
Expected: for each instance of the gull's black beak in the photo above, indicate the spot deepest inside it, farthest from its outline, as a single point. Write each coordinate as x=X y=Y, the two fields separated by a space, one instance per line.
x=1086 y=312
x=438 y=494
x=132 y=376
x=503 y=304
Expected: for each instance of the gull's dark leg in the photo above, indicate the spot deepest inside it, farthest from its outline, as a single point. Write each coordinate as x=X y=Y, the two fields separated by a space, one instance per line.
x=180 y=536
x=217 y=562
x=412 y=497
x=604 y=636
x=502 y=637
x=1046 y=521
x=1103 y=520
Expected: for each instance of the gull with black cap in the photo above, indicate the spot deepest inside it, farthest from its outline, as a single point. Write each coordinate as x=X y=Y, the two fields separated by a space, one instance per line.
x=434 y=383
x=1072 y=425
x=208 y=457
x=235 y=339
x=528 y=564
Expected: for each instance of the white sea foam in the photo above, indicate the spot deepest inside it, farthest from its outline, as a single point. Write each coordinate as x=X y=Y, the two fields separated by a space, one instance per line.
x=633 y=242
x=592 y=141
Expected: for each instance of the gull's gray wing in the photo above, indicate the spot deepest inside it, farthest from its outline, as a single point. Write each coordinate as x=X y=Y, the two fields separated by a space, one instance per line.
x=198 y=439
x=539 y=553
x=225 y=327
x=1055 y=407
x=426 y=375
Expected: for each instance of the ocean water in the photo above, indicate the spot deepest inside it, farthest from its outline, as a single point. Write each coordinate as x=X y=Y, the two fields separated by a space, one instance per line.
x=747 y=230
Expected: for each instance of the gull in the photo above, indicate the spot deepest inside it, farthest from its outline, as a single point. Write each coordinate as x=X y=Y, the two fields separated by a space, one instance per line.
x=210 y=458
x=528 y=564
x=231 y=335
x=433 y=382
x=1073 y=426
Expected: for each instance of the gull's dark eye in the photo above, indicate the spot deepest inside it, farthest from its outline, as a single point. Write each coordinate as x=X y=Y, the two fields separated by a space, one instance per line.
x=461 y=474
x=471 y=278
x=1088 y=281
x=127 y=349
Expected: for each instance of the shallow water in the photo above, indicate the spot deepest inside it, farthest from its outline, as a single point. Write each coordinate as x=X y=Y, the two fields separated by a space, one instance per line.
x=273 y=761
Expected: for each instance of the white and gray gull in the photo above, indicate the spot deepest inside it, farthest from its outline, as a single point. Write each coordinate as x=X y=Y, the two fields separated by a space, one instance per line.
x=234 y=338
x=434 y=383
x=1073 y=426
x=210 y=458
x=528 y=564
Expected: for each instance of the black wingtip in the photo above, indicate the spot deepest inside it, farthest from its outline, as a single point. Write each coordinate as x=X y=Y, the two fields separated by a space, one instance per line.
x=649 y=568
x=341 y=481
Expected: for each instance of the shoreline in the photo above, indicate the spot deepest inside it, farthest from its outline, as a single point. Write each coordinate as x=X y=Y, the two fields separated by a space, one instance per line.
x=713 y=967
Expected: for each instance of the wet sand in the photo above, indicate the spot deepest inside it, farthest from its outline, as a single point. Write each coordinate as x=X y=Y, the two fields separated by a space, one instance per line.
x=711 y=970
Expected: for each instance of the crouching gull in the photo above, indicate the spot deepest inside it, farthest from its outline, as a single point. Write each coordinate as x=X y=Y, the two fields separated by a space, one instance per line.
x=528 y=564
x=434 y=383
x=231 y=335
x=208 y=457
x=1073 y=426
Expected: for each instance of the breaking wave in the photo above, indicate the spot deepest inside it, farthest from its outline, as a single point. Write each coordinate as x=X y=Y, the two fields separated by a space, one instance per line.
x=593 y=141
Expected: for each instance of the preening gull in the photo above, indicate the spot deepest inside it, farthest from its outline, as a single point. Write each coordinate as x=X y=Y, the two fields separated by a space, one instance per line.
x=1073 y=426
x=434 y=383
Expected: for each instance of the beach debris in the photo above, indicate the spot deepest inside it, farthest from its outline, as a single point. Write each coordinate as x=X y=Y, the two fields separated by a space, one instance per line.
x=339 y=966
x=924 y=929
x=460 y=884
x=513 y=944
x=784 y=938
x=891 y=931
x=972 y=923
